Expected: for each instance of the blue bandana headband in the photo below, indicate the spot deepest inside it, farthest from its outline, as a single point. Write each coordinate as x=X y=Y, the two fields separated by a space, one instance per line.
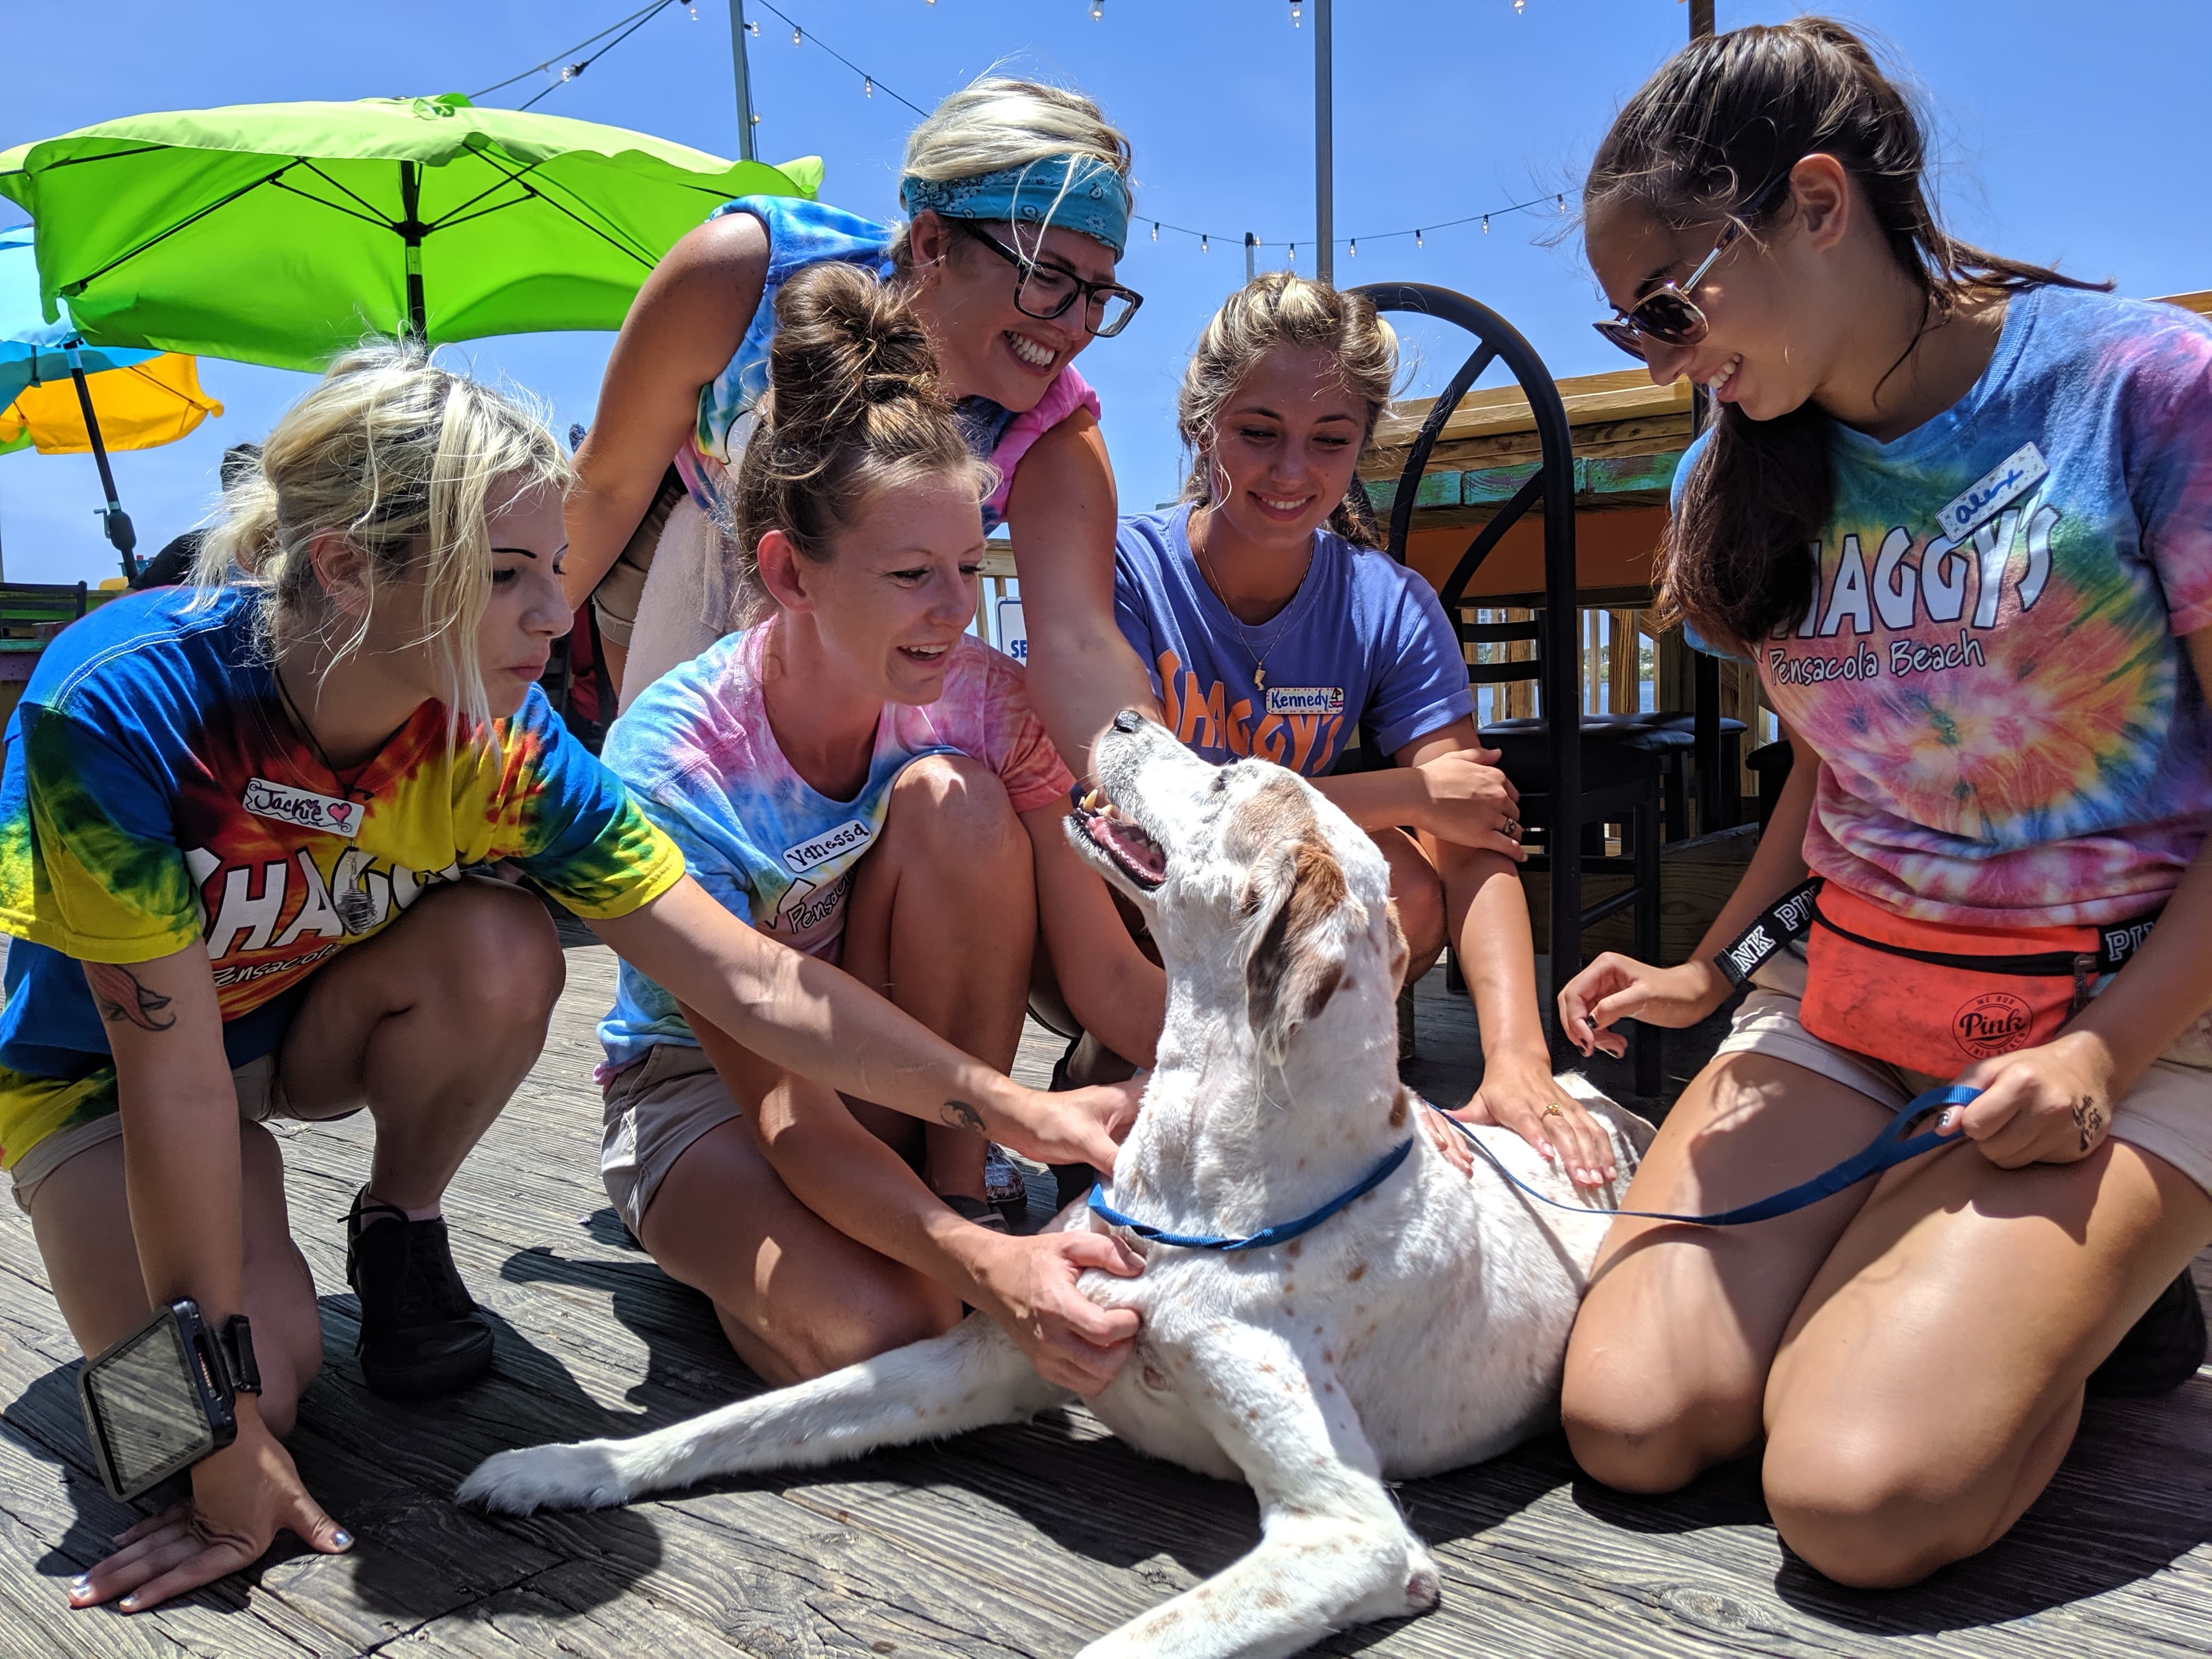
x=1079 y=191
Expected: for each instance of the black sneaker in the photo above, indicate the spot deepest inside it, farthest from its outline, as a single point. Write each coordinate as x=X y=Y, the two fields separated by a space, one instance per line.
x=2160 y=1352
x=422 y=1333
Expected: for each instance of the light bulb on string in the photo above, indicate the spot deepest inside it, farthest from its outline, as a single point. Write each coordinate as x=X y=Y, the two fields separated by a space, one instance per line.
x=795 y=36
x=752 y=29
x=868 y=86
x=1486 y=224
x=694 y=10
x=1354 y=246
x=1297 y=13
x=1418 y=242
x=1155 y=230
x=1563 y=202
x=1097 y=10
x=1294 y=254
x=1204 y=247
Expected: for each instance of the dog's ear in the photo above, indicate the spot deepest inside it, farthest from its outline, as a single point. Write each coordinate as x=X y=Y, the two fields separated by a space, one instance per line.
x=1297 y=963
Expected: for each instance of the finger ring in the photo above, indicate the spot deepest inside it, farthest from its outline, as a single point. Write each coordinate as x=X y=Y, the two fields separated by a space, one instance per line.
x=1552 y=1110
x=1513 y=828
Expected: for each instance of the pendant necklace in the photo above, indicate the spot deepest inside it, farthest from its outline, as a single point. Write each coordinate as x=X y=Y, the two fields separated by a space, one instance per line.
x=349 y=786
x=1282 y=625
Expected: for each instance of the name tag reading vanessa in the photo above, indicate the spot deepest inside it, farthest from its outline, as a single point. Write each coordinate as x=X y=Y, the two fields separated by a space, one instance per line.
x=1305 y=700
x=303 y=807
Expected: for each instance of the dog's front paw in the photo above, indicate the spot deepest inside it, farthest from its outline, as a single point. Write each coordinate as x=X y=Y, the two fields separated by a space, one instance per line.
x=1425 y=1584
x=581 y=1476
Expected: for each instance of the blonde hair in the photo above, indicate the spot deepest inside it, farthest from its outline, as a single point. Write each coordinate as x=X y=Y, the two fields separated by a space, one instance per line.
x=996 y=122
x=401 y=458
x=1277 y=309
x=854 y=408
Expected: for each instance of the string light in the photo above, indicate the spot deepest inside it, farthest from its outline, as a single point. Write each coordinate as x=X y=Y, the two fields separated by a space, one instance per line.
x=694 y=10
x=1355 y=247
x=868 y=86
x=752 y=27
x=795 y=36
x=1486 y=224
x=1297 y=11
x=1155 y=230
x=1418 y=242
x=1097 y=10
x=1204 y=246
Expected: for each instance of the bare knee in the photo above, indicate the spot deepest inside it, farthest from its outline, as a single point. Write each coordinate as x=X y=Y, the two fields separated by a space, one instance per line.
x=496 y=961
x=1869 y=1507
x=1637 y=1432
x=875 y=1319
x=956 y=806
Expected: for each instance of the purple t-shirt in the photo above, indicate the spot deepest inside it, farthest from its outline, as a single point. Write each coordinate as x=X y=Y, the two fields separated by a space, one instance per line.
x=1362 y=641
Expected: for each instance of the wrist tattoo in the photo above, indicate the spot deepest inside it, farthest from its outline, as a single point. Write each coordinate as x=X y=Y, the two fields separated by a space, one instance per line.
x=2089 y=1120
x=961 y=1116
x=121 y=997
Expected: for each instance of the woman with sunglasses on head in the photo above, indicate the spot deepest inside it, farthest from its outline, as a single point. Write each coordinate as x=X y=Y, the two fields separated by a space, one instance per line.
x=1992 y=667
x=1274 y=626
x=1018 y=202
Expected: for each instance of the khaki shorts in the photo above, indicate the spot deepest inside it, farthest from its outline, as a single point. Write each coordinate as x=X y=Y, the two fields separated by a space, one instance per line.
x=260 y=1100
x=614 y=601
x=2168 y=1113
x=655 y=1109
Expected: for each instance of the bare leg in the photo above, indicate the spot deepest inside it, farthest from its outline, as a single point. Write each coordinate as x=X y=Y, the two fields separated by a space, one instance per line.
x=1667 y=1367
x=1931 y=1381
x=943 y=921
x=430 y=1024
x=82 y=1219
x=941 y=918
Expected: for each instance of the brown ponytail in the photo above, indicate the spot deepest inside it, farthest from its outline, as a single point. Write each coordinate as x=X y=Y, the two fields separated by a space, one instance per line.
x=855 y=407
x=1693 y=146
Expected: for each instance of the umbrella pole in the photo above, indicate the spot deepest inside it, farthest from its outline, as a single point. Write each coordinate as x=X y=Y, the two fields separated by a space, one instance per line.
x=112 y=517
x=410 y=229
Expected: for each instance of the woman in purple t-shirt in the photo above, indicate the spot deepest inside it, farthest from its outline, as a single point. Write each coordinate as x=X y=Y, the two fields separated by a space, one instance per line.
x=1273 y=627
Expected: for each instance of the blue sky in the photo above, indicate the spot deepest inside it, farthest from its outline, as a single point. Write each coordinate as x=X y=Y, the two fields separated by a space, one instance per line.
x=2063 y=129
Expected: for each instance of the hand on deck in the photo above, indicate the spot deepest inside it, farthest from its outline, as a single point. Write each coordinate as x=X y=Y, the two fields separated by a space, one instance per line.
x=1616 y=987
x=1029 y=1287
x=242 y=1497
x=1519 y=1093
x=1468 y=801
x=2049 y=1105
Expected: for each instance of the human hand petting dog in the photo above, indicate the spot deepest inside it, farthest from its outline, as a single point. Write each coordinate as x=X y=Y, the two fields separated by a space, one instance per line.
x=1072 y=1126
x=2049 y=1105
x=1027 y=1285
x=1468 y=801
x=1519 y=1093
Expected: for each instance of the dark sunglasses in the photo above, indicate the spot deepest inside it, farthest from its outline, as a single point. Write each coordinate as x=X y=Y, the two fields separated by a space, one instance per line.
x=1666 y=313
x=1044 y=293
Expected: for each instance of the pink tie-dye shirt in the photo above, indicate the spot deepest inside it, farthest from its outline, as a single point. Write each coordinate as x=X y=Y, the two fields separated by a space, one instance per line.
x=1992 y=670
x=697 y=754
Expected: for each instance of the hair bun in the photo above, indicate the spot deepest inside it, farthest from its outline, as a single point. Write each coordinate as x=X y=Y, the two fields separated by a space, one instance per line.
x=844 y=343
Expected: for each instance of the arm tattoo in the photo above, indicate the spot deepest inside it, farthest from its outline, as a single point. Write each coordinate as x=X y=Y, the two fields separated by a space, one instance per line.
x=121 y=997
x=961 y=1116
x=2089 y=1120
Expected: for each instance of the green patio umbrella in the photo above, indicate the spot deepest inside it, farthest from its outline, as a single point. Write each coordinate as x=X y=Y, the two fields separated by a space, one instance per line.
x=280 y=234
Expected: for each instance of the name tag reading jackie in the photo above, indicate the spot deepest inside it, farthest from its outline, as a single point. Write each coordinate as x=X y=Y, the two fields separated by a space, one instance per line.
x=1305 y=700
x=288 y=804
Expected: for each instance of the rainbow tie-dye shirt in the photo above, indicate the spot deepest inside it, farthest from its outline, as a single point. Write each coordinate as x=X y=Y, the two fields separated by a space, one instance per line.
x=157 y=793
x=2011 y=729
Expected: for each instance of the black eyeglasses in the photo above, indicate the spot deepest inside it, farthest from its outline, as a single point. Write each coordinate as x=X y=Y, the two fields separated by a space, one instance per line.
x=1666 y=313
x=1044 y=292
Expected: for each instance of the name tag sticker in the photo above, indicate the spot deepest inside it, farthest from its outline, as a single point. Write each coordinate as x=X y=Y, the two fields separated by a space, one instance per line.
x=1994 y=491
x=1305 y=700
x=303 y=808
x=828 y=845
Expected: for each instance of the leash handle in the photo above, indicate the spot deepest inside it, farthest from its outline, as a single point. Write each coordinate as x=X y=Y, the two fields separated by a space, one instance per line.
x=1886 y=1151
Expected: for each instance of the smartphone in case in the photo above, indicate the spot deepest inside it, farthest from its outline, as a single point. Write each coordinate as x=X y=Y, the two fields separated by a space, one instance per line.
x=158 y=1401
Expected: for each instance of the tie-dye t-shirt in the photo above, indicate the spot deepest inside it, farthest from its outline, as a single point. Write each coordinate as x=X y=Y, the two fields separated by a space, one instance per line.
x=698 y=754
x=2010 y=729
x=156 y=792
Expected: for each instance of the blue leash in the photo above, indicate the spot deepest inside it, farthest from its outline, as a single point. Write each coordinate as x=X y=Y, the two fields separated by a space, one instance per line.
x=1282 y=1233
x=1886 y=1151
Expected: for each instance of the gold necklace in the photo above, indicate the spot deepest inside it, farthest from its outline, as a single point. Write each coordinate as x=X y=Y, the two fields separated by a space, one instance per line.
x=1259 y=658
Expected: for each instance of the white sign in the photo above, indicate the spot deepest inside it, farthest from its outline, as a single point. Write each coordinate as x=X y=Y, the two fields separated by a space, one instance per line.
x=1013 y=633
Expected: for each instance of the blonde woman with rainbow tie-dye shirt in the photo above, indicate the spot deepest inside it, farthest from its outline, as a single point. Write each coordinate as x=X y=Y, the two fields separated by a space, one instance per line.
x=1993 y=666
x=240 y=828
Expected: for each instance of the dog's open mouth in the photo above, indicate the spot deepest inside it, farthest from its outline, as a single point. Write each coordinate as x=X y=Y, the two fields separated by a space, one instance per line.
x=1136 y=853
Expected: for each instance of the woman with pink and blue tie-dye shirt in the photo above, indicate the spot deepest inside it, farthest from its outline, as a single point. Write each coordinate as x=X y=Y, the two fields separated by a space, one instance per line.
x=852 y=775
x=1993 y=666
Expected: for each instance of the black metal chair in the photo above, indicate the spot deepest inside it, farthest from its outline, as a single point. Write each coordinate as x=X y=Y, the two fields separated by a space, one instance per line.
x=1575 y=772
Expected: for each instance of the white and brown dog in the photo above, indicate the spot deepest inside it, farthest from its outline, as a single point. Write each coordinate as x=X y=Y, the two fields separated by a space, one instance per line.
x=1422 y=1327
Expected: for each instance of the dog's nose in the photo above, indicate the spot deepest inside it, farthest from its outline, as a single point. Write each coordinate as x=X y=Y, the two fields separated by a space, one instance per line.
x=1128 y=721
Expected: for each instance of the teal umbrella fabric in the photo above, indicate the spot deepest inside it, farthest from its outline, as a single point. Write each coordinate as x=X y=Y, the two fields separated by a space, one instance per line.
x=281 y=234
x=31 y=347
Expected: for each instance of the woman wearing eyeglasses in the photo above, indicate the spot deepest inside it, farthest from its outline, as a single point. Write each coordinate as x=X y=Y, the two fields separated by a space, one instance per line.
x=1019 y=202
x=1993 y=669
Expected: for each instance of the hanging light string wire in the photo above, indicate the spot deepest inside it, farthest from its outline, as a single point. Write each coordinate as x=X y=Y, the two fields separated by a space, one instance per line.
x=622 y=27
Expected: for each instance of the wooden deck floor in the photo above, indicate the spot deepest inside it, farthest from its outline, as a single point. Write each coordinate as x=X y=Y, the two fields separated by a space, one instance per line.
x=1025 y=1540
